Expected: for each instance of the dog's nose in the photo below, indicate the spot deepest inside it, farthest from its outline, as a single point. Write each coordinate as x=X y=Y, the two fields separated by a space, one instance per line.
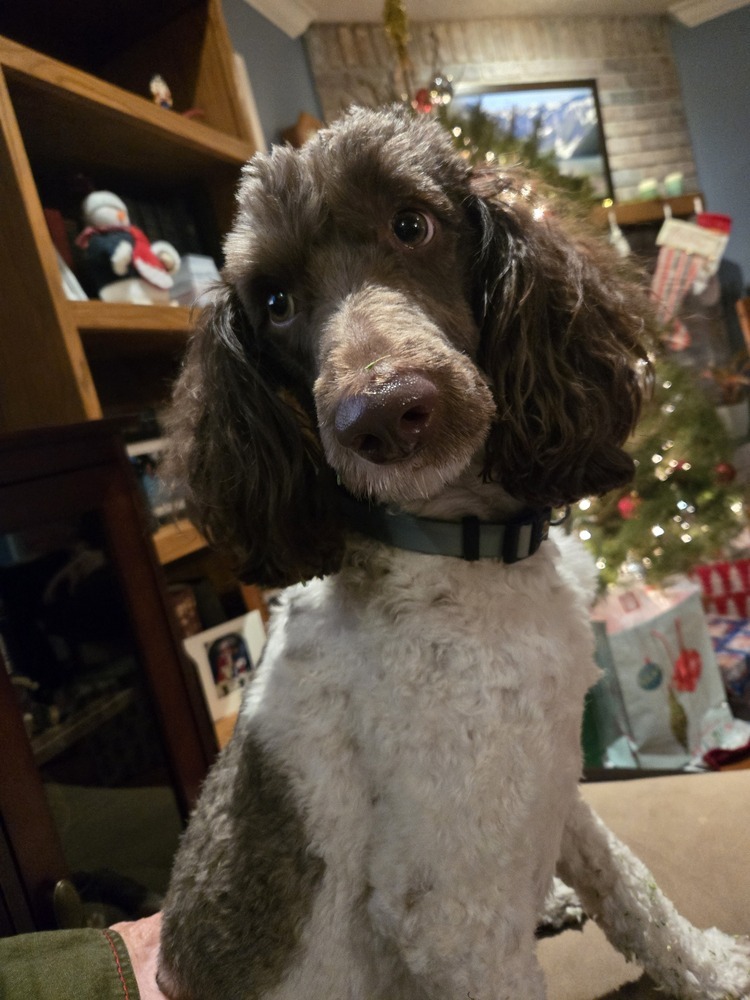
x=389 y=422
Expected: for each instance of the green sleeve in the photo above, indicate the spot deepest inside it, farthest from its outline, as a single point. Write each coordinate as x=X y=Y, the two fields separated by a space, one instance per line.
x=66 y=965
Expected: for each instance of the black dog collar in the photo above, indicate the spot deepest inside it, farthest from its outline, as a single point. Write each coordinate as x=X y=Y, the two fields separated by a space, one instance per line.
x=470 y=538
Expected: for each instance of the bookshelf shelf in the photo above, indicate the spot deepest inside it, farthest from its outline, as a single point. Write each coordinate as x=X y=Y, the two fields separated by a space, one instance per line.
x=173 y=541
x=131 y=329
x=122 y=129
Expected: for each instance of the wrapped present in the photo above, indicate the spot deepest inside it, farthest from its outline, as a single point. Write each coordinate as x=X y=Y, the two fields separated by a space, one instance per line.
x=725 y=587
x=731 y=642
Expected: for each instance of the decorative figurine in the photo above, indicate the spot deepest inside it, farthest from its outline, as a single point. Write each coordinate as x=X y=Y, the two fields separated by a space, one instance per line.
x=122 y=264
x=160 y=91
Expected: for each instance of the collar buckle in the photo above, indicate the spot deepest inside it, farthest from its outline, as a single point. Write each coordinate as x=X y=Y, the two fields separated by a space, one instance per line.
x=523 y=537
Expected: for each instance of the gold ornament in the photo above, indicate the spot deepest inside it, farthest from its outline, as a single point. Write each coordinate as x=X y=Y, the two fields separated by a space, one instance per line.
x=678 y=722
x=397 y=28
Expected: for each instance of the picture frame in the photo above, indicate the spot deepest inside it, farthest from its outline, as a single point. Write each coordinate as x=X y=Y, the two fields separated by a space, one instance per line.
x=570 y=126
x=226 y=657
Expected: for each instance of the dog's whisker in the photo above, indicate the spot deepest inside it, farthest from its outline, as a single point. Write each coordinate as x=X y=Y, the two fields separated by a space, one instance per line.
x=377 y=361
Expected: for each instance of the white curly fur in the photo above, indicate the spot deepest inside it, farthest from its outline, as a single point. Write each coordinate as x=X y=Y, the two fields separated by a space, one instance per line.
x=438 y=799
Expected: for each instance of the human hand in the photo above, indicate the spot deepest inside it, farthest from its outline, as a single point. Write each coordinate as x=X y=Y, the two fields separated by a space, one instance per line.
x=141 y=938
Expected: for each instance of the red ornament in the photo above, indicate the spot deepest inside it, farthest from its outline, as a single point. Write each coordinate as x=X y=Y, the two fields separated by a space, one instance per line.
x=688 y=666
x=725 y=472
x=422 y=101
x=628 y=506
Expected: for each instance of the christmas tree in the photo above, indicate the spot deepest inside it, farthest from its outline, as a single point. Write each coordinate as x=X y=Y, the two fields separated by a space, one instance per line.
x=683 y=507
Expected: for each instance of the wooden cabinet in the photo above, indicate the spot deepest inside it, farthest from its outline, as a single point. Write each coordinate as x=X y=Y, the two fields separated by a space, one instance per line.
x=90 y=119
x=105 y=733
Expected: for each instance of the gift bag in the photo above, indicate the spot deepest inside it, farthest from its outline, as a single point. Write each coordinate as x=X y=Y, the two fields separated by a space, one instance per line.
x=660 y=660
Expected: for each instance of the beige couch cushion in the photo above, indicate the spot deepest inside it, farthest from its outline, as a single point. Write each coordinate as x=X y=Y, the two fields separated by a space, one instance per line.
x=693 y=831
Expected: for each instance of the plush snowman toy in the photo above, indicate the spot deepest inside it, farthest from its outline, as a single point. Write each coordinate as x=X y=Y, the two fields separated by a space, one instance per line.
x=122 y=264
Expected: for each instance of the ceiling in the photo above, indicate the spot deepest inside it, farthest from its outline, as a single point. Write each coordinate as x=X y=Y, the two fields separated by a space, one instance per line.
x=295 y=16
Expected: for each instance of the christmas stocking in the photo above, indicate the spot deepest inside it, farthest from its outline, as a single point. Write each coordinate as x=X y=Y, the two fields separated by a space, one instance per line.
x=688 y=254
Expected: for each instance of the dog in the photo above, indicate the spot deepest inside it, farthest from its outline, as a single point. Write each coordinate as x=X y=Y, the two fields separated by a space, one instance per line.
x=409 y=364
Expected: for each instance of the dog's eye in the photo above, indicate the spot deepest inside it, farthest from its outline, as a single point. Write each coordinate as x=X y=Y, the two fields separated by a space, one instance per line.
x=412 y=228
x=280 y=305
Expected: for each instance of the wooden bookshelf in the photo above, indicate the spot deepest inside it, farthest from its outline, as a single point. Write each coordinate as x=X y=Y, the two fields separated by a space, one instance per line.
x=64 y=361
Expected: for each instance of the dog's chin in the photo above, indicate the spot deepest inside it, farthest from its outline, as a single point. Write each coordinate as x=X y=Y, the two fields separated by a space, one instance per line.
x=399 y=483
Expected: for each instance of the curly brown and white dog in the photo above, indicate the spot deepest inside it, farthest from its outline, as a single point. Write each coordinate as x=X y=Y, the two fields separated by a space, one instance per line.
x=409 y=363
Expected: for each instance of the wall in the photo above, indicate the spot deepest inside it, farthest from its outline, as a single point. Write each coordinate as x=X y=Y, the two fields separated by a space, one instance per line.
x=643 y=118
x=277 y=66
x=713 y=63
x=673 y=98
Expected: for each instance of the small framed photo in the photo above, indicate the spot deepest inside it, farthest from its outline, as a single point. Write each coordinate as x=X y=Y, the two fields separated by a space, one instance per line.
x=226 y=657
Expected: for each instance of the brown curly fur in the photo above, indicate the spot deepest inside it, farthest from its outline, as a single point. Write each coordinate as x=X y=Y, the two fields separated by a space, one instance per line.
x=520 y=315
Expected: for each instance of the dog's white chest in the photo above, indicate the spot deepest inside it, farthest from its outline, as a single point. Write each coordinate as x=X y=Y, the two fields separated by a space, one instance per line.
x=431 y=710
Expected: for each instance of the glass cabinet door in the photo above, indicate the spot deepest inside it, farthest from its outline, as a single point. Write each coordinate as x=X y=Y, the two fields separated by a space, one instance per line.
x=104 y=743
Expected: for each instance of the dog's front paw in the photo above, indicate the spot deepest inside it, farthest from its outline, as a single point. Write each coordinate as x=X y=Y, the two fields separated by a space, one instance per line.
x=562 y=910
x=711 y=966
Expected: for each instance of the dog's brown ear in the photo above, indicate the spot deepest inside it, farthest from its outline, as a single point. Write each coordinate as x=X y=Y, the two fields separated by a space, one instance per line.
x=245 y=455
x=562 y=340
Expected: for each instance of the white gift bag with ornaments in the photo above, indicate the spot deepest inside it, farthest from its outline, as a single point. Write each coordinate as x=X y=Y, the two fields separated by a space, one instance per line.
x=665 y=671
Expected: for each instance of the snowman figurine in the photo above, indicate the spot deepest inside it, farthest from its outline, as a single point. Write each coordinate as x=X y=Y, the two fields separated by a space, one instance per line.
x=122 y=264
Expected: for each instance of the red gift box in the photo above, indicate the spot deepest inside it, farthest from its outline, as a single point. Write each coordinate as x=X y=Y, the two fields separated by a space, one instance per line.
x=725 y=586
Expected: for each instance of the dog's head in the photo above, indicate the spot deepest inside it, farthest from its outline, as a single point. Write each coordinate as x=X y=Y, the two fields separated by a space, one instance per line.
x=389 y=316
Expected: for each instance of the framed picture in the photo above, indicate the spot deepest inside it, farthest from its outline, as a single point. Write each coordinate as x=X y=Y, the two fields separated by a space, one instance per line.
x=567 y=116
x=226 y=657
